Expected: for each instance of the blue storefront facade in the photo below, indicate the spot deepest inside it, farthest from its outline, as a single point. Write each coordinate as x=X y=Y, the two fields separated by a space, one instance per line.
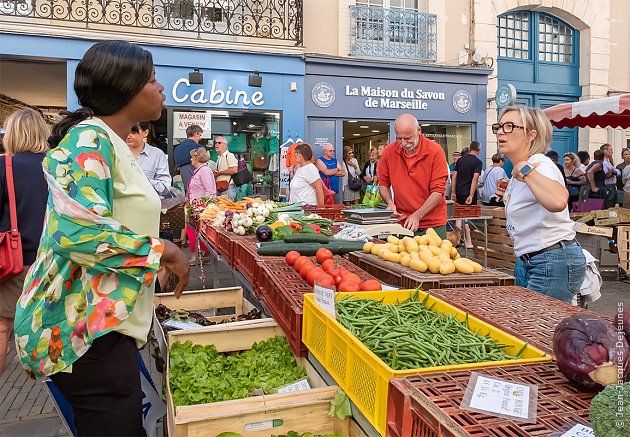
x=355 y=103
x=255 y=119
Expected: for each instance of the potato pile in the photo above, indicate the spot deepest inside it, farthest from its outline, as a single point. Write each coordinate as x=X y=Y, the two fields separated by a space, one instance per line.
x=428 y=252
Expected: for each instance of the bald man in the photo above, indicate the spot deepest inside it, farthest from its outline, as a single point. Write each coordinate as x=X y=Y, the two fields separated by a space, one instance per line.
x=330 y=168
x=415 y=169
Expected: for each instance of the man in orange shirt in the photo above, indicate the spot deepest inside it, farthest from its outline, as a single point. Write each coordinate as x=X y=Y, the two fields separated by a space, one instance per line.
x=415 y=169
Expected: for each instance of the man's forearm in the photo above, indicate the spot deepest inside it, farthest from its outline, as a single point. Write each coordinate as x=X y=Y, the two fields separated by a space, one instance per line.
x=432 y=201
x=386 y=194
x=474 y=185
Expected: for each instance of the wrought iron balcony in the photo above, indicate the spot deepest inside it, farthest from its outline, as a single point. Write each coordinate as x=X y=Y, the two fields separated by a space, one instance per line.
x=269 y=19
x=392 y=33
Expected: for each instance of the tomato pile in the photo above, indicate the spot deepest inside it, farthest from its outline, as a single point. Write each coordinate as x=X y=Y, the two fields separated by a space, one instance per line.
x=328 y=273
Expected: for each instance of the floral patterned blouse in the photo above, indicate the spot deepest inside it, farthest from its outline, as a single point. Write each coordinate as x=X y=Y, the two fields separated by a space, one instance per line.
x=90 y=270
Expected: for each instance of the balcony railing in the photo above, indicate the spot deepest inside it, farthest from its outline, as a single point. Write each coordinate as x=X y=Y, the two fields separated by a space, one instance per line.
x=392 y=33
x=269 y=19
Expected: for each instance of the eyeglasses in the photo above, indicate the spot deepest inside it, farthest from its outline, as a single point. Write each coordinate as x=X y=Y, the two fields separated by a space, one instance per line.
x=219 y=142
x=507 y=127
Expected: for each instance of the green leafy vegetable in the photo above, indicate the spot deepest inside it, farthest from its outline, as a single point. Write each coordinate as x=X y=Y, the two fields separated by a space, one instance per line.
x=200 y=374
x=340 y=406
x=610 y=411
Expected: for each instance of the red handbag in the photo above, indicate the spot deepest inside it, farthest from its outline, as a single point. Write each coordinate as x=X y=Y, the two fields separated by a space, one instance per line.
x=11 y=262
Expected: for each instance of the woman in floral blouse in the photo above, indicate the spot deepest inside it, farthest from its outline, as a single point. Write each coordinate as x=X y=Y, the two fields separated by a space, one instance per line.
x=87 y=299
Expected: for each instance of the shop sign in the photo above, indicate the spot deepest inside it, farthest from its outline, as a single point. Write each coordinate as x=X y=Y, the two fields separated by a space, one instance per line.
x=462 y=101
x=323 y=94
x=229 y=96
x=505 y=96
x=181 y=120
x=410 y=99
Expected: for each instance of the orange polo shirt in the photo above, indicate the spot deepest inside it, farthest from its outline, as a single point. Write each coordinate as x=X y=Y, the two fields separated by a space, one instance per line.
x=414 y=178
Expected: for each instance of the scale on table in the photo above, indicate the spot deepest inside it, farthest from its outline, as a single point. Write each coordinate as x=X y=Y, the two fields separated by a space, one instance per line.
x=375 y=222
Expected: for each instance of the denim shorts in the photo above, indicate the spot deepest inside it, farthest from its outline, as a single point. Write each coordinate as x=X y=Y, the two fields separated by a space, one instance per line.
x=558 y=273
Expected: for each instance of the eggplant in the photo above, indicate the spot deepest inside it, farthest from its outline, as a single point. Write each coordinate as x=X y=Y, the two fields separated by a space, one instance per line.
x=264 y=233
x=590 y=353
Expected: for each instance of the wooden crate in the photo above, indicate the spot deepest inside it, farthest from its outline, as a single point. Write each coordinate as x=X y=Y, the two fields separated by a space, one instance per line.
x=403 y=277
x=623 y=245
x=199 y=300
x=500 y=246
x=305 y=411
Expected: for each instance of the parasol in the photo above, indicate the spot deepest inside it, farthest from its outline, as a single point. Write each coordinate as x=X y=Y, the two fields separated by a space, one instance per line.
x=611 y=111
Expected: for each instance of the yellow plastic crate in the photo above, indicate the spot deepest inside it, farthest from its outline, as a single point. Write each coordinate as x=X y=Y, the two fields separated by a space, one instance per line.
x=364 y=376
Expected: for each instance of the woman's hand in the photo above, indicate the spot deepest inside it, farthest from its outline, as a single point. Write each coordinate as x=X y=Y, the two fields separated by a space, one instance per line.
x=175 y=260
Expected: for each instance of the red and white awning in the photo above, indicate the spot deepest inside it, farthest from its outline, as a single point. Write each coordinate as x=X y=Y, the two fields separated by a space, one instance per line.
x=611 y=111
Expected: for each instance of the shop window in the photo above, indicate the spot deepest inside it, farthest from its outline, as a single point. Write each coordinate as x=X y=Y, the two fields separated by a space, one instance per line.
x=452 y=138
x=251 y=135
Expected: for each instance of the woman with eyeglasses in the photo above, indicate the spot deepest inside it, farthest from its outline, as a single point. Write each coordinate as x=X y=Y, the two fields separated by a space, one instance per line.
x=536 y=206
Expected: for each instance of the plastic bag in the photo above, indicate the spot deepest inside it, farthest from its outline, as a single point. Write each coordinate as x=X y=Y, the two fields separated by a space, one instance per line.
x=372 y=196
x=171 y=198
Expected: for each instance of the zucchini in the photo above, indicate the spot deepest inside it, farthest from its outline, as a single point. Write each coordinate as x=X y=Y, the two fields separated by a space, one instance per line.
x=306 y=238
x=345 y=246
x=306 y=249
x=281 y=248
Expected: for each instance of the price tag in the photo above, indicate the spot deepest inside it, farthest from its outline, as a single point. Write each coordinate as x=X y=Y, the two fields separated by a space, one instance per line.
x=181 y=325
x=579 y=430
x=386 y=287
x=300 y=385
x=325 y=298
x=500 y=397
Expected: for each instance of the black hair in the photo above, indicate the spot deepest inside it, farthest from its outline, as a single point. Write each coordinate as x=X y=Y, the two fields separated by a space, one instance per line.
x=144 y=125
x=110 y=74
x=474 y=146
x=583 y=155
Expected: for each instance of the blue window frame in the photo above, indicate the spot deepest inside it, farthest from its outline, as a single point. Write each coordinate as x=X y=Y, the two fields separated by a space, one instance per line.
x=536 y=36
x=514 y=35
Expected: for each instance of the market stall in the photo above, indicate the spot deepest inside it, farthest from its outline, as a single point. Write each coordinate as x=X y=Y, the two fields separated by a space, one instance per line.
x=404 y=358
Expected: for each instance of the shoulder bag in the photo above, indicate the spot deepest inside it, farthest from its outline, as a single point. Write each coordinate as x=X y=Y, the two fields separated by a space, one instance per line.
x=243 y=175
x=11 y=262
x=223 y=185
x=354 y=182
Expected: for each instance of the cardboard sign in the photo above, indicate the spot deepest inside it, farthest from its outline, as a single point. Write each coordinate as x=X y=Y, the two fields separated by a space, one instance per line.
x=181 y=120
x=300 y=385
x=501 y=398
x=579 y=430
x=325 y=298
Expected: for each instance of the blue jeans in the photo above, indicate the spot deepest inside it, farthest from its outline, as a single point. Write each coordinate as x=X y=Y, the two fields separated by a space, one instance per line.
x=558 y=273
x=230 y=192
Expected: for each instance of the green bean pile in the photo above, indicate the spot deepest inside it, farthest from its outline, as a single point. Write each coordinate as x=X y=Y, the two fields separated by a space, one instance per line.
x=409 y=335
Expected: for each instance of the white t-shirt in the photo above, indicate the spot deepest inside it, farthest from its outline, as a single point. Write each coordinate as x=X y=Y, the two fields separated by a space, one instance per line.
x=529 y=224
x=490 y=181
x=301 y=189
